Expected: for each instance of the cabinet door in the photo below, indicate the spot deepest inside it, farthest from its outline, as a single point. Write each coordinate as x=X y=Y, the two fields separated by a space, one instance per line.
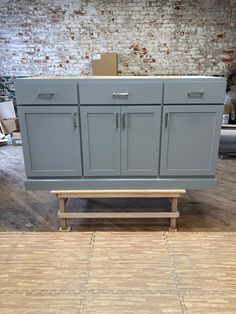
x=190 y=139
x=101 y=140
x=140 y=138
x=51 y=140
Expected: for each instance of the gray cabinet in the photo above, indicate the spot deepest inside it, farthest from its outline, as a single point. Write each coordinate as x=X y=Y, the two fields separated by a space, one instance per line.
x=149 y=132
x=190 y=139
x=120 y=140
x=140 y=136
x=51 y=140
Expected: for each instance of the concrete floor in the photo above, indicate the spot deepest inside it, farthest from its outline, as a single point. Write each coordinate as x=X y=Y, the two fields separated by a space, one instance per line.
x=116 y=266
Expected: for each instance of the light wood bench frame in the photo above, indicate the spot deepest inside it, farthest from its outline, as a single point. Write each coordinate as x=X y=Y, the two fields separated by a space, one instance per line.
x=64 y=195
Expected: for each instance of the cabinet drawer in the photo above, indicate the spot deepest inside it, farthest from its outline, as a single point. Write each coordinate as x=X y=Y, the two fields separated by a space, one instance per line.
x=45 y=92
x=118 y=93
x=195 y=92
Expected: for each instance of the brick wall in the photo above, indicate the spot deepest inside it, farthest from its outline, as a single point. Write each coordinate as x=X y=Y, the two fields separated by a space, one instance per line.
x=55 y=37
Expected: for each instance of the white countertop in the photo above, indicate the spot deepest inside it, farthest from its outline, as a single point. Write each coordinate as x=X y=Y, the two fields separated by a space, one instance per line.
x=127 y=77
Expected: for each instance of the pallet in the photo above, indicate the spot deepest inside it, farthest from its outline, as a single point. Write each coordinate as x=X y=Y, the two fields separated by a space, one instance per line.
x=64 y=195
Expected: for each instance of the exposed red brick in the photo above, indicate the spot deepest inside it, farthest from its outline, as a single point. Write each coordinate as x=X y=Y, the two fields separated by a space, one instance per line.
x=229 y=51
x=177 y=7
x=220 y=36
x=227 y=60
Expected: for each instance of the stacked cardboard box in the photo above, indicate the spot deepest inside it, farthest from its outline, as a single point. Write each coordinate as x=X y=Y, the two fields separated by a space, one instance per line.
x=8 y=121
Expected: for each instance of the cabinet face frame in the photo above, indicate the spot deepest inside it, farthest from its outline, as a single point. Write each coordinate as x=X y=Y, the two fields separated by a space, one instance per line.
x=175 y=137
x=67 y=149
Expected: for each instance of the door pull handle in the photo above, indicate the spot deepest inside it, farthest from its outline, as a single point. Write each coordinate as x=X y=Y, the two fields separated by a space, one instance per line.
x=75 y=122
x=124 y=120
x=117 y=120
x=166 y=119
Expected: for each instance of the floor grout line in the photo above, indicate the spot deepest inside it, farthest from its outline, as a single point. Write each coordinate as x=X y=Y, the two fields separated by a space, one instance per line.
x=180 y=296
x=87 y=275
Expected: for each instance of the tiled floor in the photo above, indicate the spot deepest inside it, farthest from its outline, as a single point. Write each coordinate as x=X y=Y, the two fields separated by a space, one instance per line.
x=118 y=272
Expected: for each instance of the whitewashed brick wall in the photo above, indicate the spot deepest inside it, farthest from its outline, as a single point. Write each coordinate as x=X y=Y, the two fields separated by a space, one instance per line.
x=55 y=37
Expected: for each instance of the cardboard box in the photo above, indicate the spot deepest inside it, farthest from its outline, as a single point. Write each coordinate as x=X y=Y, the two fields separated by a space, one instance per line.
x=16 y=139
x=9 y=125
x=226 y=108
x=105 y=64
x=3 y=142
x=7 y=110
x=233 y=93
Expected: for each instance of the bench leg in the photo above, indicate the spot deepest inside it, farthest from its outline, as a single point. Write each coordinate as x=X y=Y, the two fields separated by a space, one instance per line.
x=174 y=208
x=63 y=221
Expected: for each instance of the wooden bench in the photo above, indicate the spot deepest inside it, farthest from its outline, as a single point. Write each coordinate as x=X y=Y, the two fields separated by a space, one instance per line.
x=64 y=195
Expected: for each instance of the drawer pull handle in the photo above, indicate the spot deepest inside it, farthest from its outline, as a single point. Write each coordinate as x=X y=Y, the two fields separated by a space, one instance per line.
x=120 y=94
x=45 y=95
x=195 y=94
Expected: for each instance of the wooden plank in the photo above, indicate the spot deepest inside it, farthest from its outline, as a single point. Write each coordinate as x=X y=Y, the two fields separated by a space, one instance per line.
x=174 y=208
x=63 y=221
x=119 y=215
x=117 y=193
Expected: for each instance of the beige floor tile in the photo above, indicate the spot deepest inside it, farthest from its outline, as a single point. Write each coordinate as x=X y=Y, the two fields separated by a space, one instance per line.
x=204 y=261
x=40 y=303
x=209 y=303
x=47 y=261
x=7 y=246
x=131 y=304
x=130 y=261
